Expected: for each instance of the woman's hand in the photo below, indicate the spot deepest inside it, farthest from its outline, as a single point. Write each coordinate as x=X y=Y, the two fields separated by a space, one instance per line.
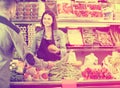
x=53 y=49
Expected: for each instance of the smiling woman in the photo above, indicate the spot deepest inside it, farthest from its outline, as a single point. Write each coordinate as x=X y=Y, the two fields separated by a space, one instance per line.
x=49 y=43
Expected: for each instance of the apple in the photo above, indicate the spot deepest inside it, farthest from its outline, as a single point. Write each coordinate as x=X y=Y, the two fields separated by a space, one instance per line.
x=44 y=75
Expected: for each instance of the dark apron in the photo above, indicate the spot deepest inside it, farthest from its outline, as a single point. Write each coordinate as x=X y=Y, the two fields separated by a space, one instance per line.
x=43 y=52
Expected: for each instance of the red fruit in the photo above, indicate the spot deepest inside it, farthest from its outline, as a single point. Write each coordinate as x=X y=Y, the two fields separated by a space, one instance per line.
x=44 y=76
x=85 y=74
x=88 y=70
x=38 y=69
x=36 y=76
x=104 y=70
x=26 y=75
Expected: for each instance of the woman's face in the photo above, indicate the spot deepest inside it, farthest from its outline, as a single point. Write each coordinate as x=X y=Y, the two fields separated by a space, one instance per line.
x=47 y=20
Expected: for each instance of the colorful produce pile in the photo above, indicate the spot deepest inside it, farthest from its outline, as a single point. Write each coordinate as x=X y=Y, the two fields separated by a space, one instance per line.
x=35 y=74
x=112 y=63
x=78 y=9
x=92 y=36
x=27 y=11
x=89 y=70
x=17 y=69
x=101 y=73
x=64 y=70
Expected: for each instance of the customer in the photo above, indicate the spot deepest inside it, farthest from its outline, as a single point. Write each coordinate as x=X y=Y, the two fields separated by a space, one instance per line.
x=10 y=39
x=49 y=43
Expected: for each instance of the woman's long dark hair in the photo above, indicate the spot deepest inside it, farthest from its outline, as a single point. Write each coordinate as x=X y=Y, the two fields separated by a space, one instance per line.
x=54 y=23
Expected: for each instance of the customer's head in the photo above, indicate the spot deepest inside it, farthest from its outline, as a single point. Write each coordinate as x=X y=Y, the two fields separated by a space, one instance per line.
x=49 y=19
x=9 y=6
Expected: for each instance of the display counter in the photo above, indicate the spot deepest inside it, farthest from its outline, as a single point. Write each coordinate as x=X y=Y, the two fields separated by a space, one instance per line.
x=59 y=84
x=96 y=44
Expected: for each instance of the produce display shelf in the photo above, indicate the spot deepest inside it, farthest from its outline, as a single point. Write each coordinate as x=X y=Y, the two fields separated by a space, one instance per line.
x=58 y=84
x=92 y=20
x=92 y=48
x=76 y=22
x=25 y=21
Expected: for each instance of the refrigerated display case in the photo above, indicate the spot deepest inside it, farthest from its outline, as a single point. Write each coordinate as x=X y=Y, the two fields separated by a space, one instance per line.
x=81 y=51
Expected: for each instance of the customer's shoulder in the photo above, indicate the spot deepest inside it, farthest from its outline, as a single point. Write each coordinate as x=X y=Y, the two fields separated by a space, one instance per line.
x=4 y=27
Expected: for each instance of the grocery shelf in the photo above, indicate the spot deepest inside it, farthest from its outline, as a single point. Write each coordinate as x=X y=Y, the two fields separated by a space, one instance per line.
x=80 y=19
x=75 y=22
x=25 y=21
x=81 y=24
x=86 y=22
x=92 y=48
x=37 y=83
